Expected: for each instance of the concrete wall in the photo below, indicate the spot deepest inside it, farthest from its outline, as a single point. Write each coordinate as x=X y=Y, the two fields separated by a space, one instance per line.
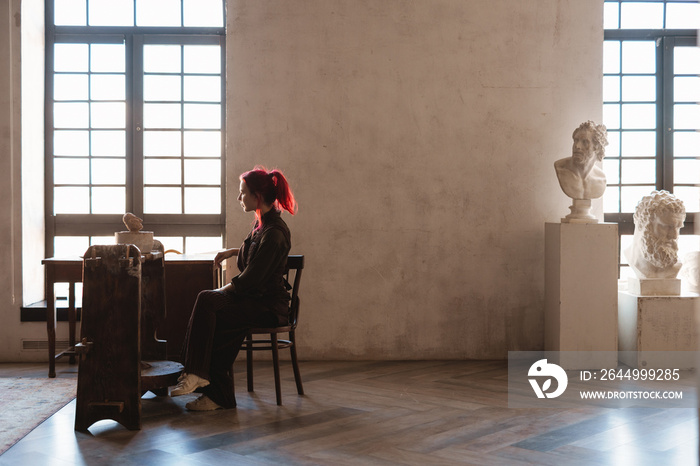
x=419 y=137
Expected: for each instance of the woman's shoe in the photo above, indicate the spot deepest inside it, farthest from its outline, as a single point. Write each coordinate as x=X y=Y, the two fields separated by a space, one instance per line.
x=203 y=403
x=187 y=383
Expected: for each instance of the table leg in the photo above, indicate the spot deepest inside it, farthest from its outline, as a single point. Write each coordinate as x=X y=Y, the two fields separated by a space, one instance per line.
x=71 y=321
x=51 y=318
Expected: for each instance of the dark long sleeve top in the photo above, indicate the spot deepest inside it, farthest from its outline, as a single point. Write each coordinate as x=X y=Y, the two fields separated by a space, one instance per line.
x=262 y=260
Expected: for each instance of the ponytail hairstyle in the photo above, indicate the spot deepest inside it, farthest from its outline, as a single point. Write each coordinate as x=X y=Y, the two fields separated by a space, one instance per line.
x=270 y=187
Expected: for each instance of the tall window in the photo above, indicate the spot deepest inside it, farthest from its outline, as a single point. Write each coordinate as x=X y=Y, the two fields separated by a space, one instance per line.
x=651 y=90
x=134 y=120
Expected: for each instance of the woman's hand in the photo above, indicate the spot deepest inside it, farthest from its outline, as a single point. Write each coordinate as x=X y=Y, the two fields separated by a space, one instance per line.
x=223 y=255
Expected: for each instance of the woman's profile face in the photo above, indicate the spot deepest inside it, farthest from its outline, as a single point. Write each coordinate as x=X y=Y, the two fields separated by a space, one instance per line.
x=248 y=201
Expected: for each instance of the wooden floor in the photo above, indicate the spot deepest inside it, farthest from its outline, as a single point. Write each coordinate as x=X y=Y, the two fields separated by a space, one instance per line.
x=368 y=413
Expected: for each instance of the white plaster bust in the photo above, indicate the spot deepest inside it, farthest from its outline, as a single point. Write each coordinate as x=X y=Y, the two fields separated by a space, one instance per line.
x=657 y=221
x=579 y=176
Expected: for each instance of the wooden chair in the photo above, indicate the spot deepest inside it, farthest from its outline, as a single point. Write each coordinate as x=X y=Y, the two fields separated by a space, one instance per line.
x=274 y=344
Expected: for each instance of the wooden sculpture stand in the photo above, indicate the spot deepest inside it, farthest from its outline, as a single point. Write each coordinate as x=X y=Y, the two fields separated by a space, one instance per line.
x=120 y=355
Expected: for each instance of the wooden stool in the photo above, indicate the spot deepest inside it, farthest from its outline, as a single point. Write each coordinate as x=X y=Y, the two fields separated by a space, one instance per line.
x=123 y=305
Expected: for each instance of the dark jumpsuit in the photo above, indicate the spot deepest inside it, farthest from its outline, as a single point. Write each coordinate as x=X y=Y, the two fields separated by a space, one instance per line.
x=220 y=319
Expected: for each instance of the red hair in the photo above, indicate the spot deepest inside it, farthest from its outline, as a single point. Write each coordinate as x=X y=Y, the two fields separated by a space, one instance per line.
x=272 y=188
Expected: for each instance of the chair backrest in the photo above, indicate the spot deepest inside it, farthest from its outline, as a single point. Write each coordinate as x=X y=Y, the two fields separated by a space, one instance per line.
x=295 y=263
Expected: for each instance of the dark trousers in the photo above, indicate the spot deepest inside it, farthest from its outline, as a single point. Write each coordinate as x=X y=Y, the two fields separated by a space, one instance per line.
x=215 y=333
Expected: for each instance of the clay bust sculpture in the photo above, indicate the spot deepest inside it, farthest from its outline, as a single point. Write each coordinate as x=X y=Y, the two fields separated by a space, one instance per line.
x=579 y=176
x=657 y=221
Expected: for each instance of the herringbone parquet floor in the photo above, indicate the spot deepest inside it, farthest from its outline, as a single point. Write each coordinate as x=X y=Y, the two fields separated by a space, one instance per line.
x=371 y=413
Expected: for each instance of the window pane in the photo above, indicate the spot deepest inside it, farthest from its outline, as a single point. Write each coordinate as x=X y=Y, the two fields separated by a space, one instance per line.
x=639 y=88
x=109 y=171
x=159 y=88
x=690 y=197
x=203 y=172
x=203 y=59
x=172 y=243
x=108 y=200
x=71 y=171
x=202 y=200
x=203 y=13
x=631 y=196
x=70 y=87
x=109 y=143
x=611 y=88
x=611 y=56
x=199 y=245
x=686 y=116
x=611 y=116
x=611 y=167
x=686 y=60
x=108 y=115
x=683 y=16
x=107 y=87
x=613 y=147
x=161 y=144
x=686 y=171
x=161 y=115
x=158 y=12
x=686 y=144
x=70 y=115
x=162 y=200
x=639 y=144
x=70 y=57
x=107 y=58
x=611 y=15
x=159 y=171
x=203 y=88
x=202 y=116
x=161 y=58
x=611 y=199
x=67 y=246
x=111 y=12
x=686 y=89
x=71 y=143
x=639 y=171
x=648 y=15
x=641 y=116
x=69 y=12
x=202 y=143
x=638 y=57
x=68 y=200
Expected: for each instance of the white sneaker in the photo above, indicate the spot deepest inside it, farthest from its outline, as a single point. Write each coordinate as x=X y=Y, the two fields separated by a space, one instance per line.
x=187 y=383
x=203 y=403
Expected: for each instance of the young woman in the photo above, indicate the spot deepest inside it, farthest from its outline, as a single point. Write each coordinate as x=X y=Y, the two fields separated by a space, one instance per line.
x=256 y=297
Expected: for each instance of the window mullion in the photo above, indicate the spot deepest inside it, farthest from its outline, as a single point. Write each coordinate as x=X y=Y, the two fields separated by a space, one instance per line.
x=135 y=126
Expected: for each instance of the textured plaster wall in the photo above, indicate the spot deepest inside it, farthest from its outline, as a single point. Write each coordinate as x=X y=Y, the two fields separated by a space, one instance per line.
x=420 y=138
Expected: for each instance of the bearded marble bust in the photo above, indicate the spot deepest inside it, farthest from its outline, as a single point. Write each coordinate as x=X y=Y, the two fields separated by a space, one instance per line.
x=578 y=175
x=657 y=222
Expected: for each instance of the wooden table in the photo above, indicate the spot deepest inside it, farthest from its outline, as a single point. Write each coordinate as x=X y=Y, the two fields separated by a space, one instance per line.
x=185 y=276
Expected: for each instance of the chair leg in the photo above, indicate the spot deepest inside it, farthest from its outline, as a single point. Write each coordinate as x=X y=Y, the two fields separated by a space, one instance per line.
x=249 y=363
x=276 y=364
x=295 y=363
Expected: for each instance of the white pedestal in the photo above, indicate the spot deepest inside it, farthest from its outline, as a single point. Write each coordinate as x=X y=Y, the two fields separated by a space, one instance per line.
x=581 y=293
x=650 y=326
x=654 y=286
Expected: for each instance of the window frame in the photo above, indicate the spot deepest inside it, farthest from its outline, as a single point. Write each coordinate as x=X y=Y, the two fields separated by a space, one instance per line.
x=666 y=40
x=133 y=37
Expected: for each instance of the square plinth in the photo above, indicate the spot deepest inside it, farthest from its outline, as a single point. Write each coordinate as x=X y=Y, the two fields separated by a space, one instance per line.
x=658 y=331
x=581 y=291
